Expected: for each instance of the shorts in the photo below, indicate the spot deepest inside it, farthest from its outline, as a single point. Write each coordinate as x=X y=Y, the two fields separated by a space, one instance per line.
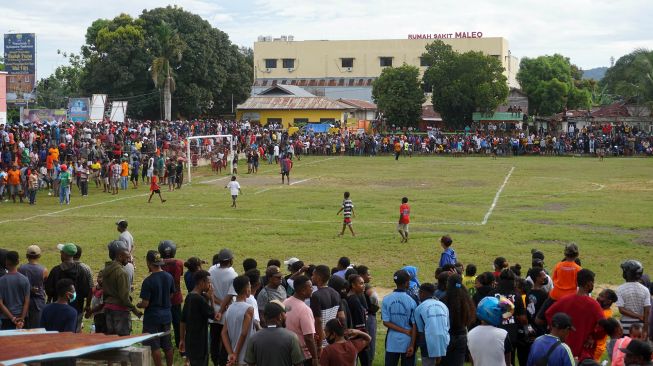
x=150 y=172
x=171 y=180
x=13 y=189
x=234 y=196
x=158 y=191
x=134 y=177
x=106 y=180
x=347 y=221
x=164 y=342
x=402 y=227
x=287 y=174
x=119 y=322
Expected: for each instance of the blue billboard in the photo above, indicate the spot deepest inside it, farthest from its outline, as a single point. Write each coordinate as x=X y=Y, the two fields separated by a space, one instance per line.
x=20 y=64
x=78 y=109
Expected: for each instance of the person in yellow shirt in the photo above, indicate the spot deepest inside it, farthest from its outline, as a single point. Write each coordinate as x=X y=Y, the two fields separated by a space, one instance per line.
x=95 y=167
x=124 y=174
x=469 y=279
x=606 y=298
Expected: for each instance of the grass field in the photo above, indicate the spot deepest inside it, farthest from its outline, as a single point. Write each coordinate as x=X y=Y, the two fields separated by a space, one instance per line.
x=604 y=207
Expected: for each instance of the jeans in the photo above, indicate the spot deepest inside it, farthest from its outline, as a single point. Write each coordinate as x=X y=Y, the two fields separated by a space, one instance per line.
x=64 y=195
x=32 y=196
x=218 y=353
x=83 y=186
x=176 y=318
x=392 y=358
x=371 y=328
x=123 y=183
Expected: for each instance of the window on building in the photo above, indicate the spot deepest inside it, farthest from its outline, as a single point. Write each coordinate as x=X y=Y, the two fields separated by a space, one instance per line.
x=276 y=121
x=300 y=121
x=270 y=63
x=385 y=61
x=288 y=63
x=347 y=62
x=424 y=62
x=327 y=120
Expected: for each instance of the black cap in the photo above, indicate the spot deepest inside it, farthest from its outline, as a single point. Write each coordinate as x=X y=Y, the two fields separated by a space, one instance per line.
x=274 y=308
x=225 y=255
x=536 y=254
x=638 y=348
x=401 y=276
x=562 y=321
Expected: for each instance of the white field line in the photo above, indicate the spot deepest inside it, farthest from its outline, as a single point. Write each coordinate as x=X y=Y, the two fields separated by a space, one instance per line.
x=278 y=187
x=214 y=180
x=73 y=208
x=306 y=221
x=300 y=181
x=496 y=197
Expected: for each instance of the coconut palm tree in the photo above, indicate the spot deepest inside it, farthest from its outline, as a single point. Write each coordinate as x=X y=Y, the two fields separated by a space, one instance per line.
x=171 y=47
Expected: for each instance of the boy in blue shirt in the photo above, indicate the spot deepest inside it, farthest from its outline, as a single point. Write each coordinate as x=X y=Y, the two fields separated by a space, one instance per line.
x=432 y=320
x=448 y=256
x=398 y=315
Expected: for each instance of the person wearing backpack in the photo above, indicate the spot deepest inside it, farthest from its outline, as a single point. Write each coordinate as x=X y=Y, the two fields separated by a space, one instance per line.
x=550 y=349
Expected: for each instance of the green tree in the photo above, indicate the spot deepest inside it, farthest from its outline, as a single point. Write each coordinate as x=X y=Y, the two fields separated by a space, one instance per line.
x=53 y=92
x=399 y=96
x=552 y=84
x=631 y=77
x=170 y=49
x=463 y=83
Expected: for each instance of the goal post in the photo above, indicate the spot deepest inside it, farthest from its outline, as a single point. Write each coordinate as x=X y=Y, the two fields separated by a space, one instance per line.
x=200 y=139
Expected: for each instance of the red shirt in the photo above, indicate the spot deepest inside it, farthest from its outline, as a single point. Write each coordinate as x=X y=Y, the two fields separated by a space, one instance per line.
x=153 y=185
x=404 y=212
x=176 y=268
x=585 y=314
x=344 y=353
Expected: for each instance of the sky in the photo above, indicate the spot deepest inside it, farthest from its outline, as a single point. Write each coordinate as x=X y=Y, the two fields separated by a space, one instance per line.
x=589 y=32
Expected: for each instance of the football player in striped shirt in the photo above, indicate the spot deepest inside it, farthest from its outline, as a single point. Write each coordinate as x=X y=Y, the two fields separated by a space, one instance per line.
x=347 y=210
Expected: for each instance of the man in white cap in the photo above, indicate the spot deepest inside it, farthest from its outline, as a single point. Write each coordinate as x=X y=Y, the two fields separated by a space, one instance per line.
x=222 y=277
x=126 y=236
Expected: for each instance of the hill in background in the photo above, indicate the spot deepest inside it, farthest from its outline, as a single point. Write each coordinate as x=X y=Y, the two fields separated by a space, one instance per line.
x=596 y=73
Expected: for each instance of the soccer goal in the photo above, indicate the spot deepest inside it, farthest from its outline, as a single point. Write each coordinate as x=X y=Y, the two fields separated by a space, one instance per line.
x=200 y=148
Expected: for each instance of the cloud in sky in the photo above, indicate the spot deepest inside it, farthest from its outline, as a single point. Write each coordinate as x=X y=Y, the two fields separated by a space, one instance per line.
x=587 y=31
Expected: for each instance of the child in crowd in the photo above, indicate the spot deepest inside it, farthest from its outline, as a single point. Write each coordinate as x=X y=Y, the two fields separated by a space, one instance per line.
x=469 y=279
x=97 y=306
x=154 y=187
x=347 y=210
x=448 y=255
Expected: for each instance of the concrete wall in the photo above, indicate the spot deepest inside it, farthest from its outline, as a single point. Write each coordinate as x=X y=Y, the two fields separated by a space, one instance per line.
x=322 y=59
x=287 y=117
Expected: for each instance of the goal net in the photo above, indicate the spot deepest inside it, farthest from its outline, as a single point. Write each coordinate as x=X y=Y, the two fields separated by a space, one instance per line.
x=207 y=150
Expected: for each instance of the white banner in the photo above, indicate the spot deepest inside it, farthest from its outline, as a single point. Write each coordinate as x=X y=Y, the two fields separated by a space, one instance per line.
x=98 y=102
x=118 y=111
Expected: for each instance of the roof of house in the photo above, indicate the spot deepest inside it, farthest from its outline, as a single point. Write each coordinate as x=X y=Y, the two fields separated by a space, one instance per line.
x=289 y=103
x=618 y=109
x=359 y=104
x=35 y=345
x=285 y=90
x=323 y=82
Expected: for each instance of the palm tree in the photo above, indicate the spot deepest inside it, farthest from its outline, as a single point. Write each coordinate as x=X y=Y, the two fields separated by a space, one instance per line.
x=171 y=47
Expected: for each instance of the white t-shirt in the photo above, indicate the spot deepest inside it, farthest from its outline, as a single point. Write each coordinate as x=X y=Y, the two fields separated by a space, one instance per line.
x=487 y=345
x=234 y=187
x=635 y=297
x=222 y=280
x=252 y=301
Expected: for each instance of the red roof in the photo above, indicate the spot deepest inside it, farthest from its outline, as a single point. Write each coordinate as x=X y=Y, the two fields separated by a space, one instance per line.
x=618 y=109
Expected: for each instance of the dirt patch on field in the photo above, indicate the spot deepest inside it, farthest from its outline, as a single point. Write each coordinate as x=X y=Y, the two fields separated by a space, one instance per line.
x=556 y=207
x=645 y=237
x=546 y=242
x=633 y=186
x=468 y=183
x=543 y=222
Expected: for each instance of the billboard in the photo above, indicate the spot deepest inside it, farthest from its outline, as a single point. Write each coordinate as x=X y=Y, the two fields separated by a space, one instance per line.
x=118 y=111
x=97 y=107
x=78 y=109
x=20 y=63
x=43 y=115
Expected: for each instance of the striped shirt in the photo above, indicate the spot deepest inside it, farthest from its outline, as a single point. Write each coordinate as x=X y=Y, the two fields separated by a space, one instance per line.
x=347 y=208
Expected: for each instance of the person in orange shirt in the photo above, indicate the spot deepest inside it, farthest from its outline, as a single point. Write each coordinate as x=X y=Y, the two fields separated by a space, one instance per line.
x=124 y=174
x=606 y=298
x=564 y=274
x=13 y=181
x=397 y=148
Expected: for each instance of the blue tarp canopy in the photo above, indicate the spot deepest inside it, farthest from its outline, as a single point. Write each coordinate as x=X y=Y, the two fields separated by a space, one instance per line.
x=318 y=127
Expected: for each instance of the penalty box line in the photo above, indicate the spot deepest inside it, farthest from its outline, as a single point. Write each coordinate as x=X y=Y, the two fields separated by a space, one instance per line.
x=496 y=197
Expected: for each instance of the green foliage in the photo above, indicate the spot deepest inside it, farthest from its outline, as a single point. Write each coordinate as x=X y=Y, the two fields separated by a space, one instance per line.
x=398 y=94
x=119 y=56
x=64 y=83
x=463 y=83
x=552 y=84
x=2 y=64
x=631 y=77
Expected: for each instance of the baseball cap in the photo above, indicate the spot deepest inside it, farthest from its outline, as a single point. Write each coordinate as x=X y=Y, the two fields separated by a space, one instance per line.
x=121 y=222
x=291 y=261
x=562 y=321
x=33 y=250
x=274 y=308
x=272 y=271
x=154 y=257
x=68 y=248
x=401 y=276
x=537 y=254
x=225 y=255
x=638 y=348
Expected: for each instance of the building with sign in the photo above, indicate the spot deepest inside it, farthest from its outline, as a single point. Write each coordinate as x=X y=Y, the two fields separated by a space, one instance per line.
x=347 y=68
x=20 y=63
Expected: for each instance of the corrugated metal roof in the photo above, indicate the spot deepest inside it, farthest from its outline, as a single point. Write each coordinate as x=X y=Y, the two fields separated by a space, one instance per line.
x=290 y=90
x=359 y=104
x=288 y=103
x=38 y=345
